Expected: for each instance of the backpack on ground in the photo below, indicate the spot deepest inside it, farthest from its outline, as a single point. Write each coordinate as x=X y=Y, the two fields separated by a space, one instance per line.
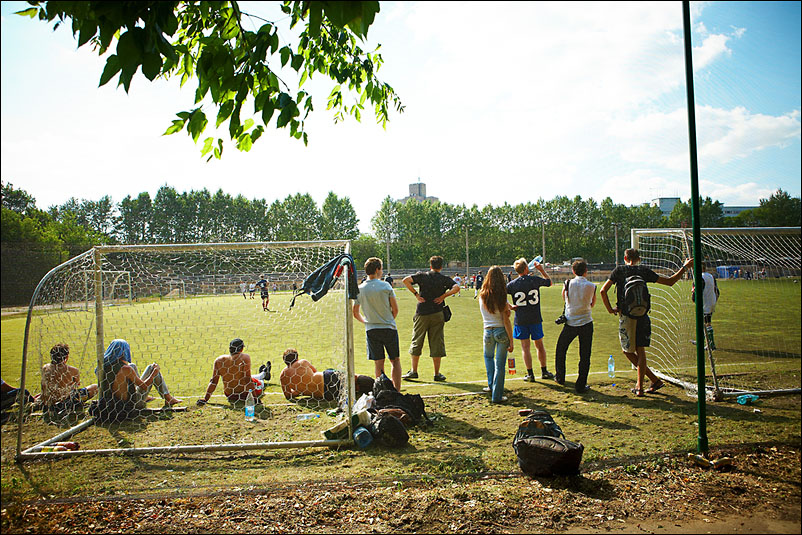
x=542 y=449
x=383 y=383
x=637 y=301
x=389 y=431
x=412 y=404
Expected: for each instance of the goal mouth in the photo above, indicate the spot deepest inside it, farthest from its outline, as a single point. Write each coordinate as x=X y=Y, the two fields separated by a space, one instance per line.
x=752 y=344
x=184 y=304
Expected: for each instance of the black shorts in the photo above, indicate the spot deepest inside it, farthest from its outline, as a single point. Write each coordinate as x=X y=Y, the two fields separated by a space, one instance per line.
x=265 y=295
x=708 y=318
x=331 y=385
x=379 y=340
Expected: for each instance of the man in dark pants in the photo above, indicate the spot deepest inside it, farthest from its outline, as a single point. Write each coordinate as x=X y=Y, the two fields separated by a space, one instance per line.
x=579 y=296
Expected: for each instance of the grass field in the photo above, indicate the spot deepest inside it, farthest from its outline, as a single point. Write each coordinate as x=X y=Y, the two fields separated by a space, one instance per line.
x=196 y=330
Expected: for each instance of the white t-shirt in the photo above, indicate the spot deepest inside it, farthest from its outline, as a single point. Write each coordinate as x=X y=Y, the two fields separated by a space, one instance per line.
x=709 y=293
x=577 y=305
x=491 y=320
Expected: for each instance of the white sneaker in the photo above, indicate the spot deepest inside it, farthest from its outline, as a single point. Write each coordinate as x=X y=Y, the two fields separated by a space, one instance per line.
x=486 y=389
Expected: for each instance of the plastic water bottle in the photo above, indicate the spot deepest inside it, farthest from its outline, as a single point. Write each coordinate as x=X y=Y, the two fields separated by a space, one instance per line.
x=536 y=260
x=611 y=367
x=307 y=416
x=362 y=437
x=511 y=365
x=250 y=408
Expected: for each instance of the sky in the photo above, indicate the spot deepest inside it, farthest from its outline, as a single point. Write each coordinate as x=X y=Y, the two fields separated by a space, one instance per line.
x=504 y=102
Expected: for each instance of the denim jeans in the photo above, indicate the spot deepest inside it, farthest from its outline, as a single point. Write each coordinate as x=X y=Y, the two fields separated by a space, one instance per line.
x=496 y=343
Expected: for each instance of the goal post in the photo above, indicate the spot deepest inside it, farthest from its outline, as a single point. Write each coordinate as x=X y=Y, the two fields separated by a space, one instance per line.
x=753 y=342
x=184 y=337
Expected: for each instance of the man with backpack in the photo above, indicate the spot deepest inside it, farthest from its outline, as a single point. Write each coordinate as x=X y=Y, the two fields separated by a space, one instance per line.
x=632 y=307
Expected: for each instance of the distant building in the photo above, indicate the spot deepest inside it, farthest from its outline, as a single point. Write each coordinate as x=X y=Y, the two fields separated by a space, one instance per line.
x=666 y=204
x=732 y=211
x=417 y=191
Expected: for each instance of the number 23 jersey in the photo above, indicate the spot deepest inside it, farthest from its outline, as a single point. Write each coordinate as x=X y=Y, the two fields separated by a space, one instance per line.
x=525 y=293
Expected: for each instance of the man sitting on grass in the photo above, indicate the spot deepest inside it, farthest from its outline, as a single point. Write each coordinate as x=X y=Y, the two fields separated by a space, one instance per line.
x=61 y=383
x=235 y=370
x=300 y=378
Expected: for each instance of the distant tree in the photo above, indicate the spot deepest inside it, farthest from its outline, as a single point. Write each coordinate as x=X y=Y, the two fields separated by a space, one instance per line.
x=711 y=214
x=17 y=200
x=779 y=210
x=235 y=66
x=338 y=219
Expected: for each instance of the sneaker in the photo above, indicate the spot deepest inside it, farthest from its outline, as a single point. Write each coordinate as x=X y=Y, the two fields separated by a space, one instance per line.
x=410 y=375
x=266 y=369
x=486 y=389
x=583 y=390
x=439 y=377
x=529 y=379
x=560 y=382
x=503 y=399
x=547 y=375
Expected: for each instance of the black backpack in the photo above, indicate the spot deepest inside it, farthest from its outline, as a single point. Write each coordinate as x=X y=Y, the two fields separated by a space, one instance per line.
x=637 y=301
x=412 y=404
x=389 y=431
x=542 y=449
x=381 y=384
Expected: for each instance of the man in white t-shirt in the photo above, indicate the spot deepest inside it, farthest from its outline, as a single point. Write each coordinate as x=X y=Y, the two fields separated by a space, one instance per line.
x=710 y=295
x=377 y=300
x=458 y=280
x=579 y=295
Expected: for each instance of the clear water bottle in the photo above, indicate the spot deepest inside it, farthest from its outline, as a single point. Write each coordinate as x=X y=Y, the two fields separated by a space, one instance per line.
x=307 y=416
x=511 y=366
x=250 y=408
x=611 y=367
x=536 y=260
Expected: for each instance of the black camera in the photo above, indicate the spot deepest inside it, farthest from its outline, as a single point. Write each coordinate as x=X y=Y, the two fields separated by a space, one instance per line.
x=562 y=319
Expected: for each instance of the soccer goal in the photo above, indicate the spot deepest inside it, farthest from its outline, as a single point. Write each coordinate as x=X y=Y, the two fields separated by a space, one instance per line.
x=756 y=322
x=184 y=336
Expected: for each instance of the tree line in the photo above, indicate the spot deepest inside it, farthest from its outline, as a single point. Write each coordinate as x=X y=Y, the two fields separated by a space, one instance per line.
x=35 y=240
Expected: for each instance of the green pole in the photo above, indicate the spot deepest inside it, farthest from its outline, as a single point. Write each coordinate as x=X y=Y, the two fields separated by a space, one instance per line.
x=701 y=439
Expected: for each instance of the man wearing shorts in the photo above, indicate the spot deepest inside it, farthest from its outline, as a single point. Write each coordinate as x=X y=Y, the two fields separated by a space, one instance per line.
x=300 y=378
x=242 y=288
x=428 y=319
x=710 y=295
x=61 y=383
x=265 y=294
x=478 y=280
x=252 y=289
x=376 y=300
x=235 y=371
x=635 y=333
x=525 y=293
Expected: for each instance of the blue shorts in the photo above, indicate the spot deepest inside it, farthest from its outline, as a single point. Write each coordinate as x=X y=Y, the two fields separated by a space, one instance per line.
x=379 y=340
x=524 y=332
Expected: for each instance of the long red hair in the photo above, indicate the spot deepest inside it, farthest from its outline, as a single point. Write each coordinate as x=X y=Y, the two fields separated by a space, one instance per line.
x=494 y=290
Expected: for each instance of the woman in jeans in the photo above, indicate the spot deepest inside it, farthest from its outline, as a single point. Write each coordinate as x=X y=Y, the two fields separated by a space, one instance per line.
x=497 y=330
x=579 y=295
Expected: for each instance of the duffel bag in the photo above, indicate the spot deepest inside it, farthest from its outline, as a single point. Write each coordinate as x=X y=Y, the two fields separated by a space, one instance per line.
x=546 y=455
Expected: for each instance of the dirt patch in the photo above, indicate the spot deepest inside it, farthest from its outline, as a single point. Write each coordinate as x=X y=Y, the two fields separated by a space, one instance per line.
x=663 y=494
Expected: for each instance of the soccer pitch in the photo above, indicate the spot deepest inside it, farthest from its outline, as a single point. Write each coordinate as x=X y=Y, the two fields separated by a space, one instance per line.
x=755 y=322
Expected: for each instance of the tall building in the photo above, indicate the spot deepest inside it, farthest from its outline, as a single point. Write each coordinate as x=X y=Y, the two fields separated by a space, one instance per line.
x=666 y=204
x=417 y=191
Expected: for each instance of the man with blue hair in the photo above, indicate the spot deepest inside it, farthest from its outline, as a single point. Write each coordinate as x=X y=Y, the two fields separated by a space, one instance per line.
x=120 y=379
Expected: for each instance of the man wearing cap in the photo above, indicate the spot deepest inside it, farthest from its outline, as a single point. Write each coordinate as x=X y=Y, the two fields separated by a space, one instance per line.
x=235 y=370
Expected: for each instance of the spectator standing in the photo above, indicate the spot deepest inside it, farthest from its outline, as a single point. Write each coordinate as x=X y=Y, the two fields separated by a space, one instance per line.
x=497 y=338
x=579 y=296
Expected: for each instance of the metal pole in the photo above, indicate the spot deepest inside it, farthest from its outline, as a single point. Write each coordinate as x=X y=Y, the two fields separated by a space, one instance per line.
x=702 y=444
x=543 y=252
x=99 y=343
x=467 y=260
x=615 y=226
x=349 y=346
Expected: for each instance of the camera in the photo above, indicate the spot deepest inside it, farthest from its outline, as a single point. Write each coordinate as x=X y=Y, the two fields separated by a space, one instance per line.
x=562 y=319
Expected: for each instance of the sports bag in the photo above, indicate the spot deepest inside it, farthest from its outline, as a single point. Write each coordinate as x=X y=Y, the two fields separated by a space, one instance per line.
x=542 y=449
x=382 y=383
x=412 y=404
x=389 y=431
x=637 y=301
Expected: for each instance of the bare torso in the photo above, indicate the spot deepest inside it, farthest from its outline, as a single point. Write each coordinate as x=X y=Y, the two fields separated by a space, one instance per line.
x=58 y=381
x=301 y=379
x=235 y=371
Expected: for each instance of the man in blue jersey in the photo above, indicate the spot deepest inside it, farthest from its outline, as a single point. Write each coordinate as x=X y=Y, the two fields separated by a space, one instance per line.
x=525 y=293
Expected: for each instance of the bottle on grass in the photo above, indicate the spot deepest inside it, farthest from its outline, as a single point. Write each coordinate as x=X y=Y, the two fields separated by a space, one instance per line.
x=250 y=408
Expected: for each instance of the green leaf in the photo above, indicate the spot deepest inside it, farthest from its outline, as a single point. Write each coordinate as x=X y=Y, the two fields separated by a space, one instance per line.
x=224 y=112
x=267 y=111
x=285 y=55
x=87 y=31
x=303 y=79
x=30 y=12
x=297 y=62
x=112 y=68
x=244 y=143
x=177 y=126
x=197 y=124
x=315 y=19
x=152 y=65
x=207 y=146
x=248 y=124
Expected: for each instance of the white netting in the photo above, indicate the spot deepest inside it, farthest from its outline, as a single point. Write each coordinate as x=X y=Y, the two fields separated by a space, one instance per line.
x=179 y=307
x=756 y=323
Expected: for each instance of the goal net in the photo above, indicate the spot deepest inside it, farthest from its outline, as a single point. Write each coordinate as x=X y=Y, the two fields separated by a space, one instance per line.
x=187 y=303
x=754 y=345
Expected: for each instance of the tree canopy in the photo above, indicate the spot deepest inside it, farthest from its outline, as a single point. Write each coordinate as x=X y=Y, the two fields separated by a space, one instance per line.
x=207 y=41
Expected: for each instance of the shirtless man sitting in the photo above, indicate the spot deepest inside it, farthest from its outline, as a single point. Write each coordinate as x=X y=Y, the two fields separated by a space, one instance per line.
x=235 y=370
x=61 y=383
x=300 y=378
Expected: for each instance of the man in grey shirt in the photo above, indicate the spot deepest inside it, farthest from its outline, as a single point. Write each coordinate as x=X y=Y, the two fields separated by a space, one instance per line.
x=377 y=301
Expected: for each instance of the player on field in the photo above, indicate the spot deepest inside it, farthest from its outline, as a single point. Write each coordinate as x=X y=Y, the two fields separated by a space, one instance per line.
x=525 y=293
x=235 y=371
x=242 y=288
x=252 y=289
x=265 y=294
x=477 y=285
x=635 y=333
